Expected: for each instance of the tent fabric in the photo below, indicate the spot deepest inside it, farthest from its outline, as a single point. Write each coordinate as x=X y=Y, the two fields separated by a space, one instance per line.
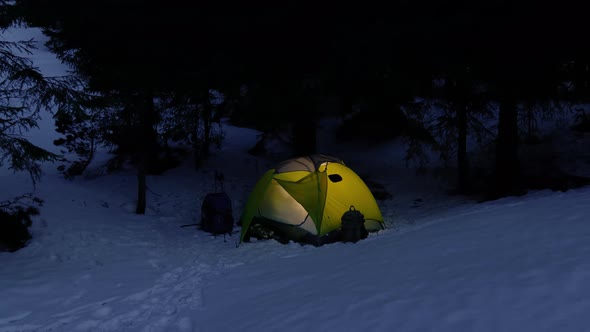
x=304 y=199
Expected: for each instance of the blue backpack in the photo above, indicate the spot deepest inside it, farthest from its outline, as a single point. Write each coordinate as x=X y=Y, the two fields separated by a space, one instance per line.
x=216 y=211
x=216 y=214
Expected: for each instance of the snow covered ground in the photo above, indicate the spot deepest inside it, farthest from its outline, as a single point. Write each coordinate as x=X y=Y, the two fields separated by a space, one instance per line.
x=444 y=263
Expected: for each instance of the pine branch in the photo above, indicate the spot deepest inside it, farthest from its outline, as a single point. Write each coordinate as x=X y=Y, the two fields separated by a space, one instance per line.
x=11 y=205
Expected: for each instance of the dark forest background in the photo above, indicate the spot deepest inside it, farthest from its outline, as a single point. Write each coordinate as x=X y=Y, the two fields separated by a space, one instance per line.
x=145 y=74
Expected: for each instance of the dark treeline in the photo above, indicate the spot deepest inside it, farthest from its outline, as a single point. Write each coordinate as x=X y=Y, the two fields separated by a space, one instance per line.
x=149 y=69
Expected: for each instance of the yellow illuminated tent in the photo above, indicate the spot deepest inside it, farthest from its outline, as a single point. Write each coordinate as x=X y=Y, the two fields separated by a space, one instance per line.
x=303 y=199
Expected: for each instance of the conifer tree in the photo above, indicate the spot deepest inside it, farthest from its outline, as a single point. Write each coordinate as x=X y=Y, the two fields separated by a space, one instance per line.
x=132 y=55
x=25 y=94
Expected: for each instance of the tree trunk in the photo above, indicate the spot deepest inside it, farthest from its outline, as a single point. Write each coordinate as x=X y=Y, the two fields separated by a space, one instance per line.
x=458 y=90
x=507 y=164
x=303 y=108
x=146 y=119
x=304 y=136
x=462 y=161
x=207 y=115
x=195 y=137
x=346 y=103
x=201 y=147
x=141 y=187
